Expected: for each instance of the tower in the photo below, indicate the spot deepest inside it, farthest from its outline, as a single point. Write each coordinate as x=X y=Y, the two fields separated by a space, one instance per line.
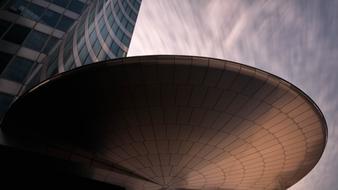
x=46 y=37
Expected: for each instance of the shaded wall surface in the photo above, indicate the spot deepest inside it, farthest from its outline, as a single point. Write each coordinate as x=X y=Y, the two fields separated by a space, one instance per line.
x=188 y=122
x=20 y=167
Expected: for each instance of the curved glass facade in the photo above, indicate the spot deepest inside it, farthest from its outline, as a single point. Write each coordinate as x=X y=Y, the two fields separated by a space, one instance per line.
x=46 y=37
x=103 y=32
x=28 y=31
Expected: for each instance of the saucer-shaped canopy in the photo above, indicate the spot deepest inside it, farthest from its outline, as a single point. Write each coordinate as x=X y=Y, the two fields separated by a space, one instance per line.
x=175 y=122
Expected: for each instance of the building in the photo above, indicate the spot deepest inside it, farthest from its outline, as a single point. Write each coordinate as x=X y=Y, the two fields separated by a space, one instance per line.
x=41 y=38
x=172 y=122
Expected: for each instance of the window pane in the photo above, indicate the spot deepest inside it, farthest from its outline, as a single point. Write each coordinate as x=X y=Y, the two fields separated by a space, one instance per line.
x=50 y=44
x=76 y=6
x=50 y=18
x=69 y=62
x=96 y=47
x=4 y=25
x=17 y=6
x=92 y=37
x=4 y=59
x=35 y=80
x=104 y=32
x=108 y=41
x=33 y=12
x=17 y=34
x=101 y=23
x=88 y=60
x=101 y=55
x=52 y=64
x=65 y=23
x=119 y=34
x=52 y=69
x=126 y=40
x=81 y=43
x=18 y=69
x=114 y=48
x=133 y=16
x=130 y=27
x=61 y=3
x=35 y=40
x=124 y=21
x=83 y=54
x=121 y=53
x=5 y=101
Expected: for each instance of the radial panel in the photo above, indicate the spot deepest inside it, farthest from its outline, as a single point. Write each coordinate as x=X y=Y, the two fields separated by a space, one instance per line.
x=177 y=122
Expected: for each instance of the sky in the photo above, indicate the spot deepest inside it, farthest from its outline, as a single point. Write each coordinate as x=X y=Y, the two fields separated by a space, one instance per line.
x=294 y=39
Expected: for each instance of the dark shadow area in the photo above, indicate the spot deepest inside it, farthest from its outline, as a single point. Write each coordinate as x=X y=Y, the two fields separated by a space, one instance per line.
x=20 y=168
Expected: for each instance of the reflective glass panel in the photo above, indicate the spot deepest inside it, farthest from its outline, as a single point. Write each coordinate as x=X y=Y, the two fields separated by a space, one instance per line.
x=18 y=69
x=35 y=40
x=17 y=34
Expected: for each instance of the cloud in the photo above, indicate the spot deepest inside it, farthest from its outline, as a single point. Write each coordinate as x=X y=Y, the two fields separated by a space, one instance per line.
x=296 y=40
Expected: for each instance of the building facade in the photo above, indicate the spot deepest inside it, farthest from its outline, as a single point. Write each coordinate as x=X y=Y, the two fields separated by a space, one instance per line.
x=28 y=31
x=42 y=38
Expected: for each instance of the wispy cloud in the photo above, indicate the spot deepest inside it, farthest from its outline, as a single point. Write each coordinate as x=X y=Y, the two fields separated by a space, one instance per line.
x=296 y=40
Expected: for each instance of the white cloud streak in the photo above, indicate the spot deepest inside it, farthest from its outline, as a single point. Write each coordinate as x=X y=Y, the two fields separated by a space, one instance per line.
x=296 y=40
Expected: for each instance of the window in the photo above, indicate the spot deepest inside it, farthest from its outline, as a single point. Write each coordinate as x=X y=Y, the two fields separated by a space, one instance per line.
x=108 y=10
x=120 y=15
x=34 y=12
x=80 y=32
x=65 y=23
x=91 y=15
x=81 y=43
x=108 y=41
x=35 y=80
x=137 y=5
x=101 y=55
x=119 y=34
x=52 y=69
x=133 y=15
x=18 y=69
x=76 y=6
x=124 y=21
x=4 y=59
x=17 y=6
x=5 y=101
x=61 y=3
x=91 y=28
x=114 y=27
x=35 y=40
x=17 y=34
x=130 y=27
x=52 y=64
x=96 y=47
x=128 y=9
x=110 y=19
x=68 y=63
x=114 y=48
x=4 y=25
x=126 y=40
x=104 y=32
x=50 y=44
x=121 y=53
x=83 y=19
x=50 y=18
x=101 y=23
x=88 y=60
x=92 y=37
x=83 y=54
